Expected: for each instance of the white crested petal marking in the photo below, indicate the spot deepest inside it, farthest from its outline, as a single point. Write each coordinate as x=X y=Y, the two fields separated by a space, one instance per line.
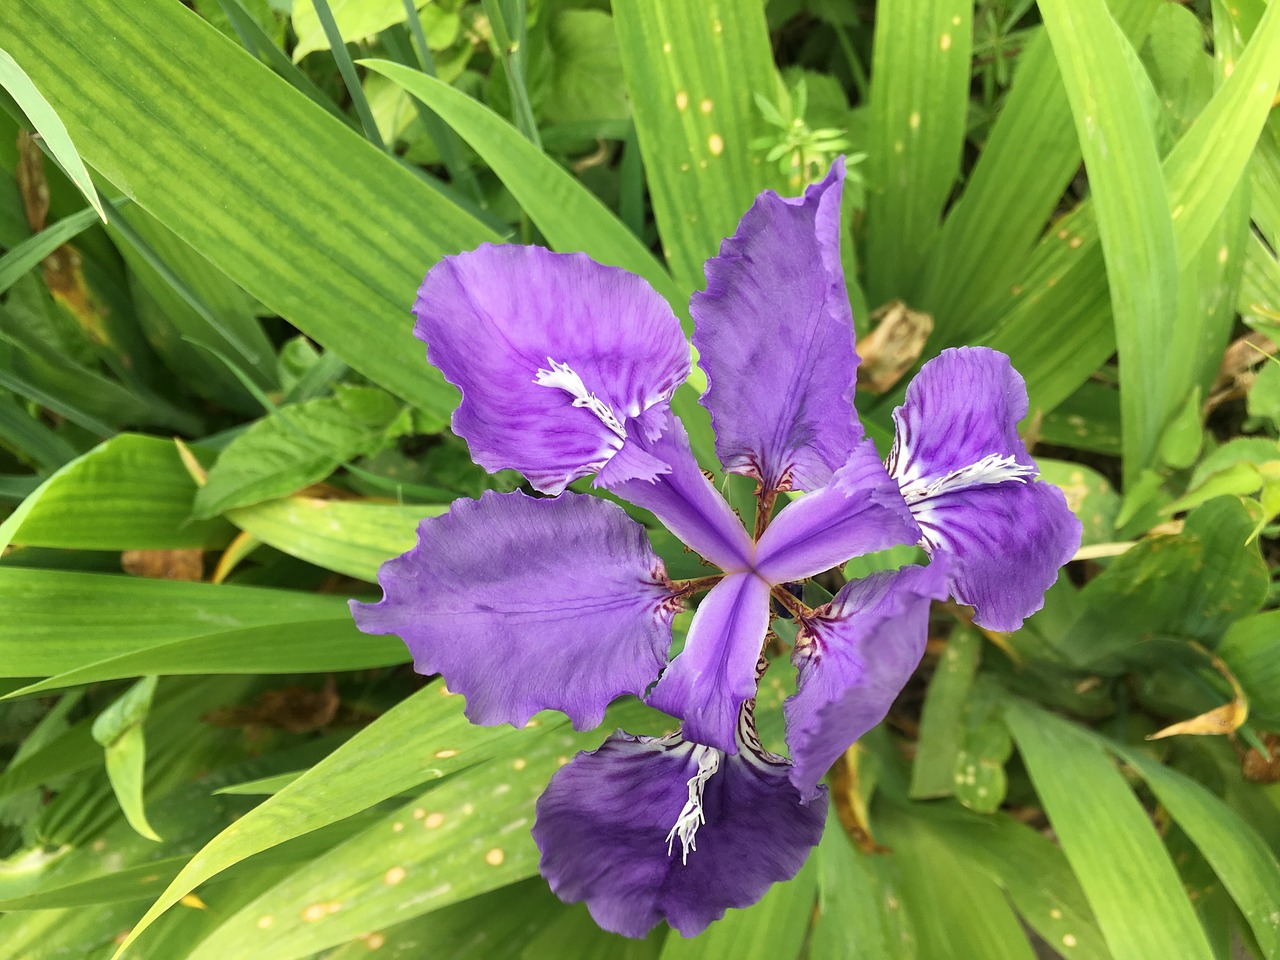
x=991 y=469
x=563 y=377
x=691 y=815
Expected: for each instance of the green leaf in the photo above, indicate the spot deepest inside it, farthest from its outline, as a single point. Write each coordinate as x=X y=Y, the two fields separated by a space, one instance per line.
x=459 y=838
x=422 y=738
x=1089 y=495
x=587 y=82
x=356 y=20
x=340 y=535
x=57 y=621
x=692 y=72
x=1189 y=585
x=1237 y=854
x=1134 y=223
x=1251 y=649
x=45 y=119
x=285 y=199
x=981 y=924
x=129 y=493
x=856 y=892
x=941 y=727
x=297 y=446
x=1125 y=871
x=119 y=730
x=919 y=97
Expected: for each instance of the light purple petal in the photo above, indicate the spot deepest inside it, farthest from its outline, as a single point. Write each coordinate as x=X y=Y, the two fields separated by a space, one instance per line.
x=524 y=333
x=971 y=485
x=604 y=821
x=853 y=659
x=775 y=335
x=859 y=512
x=682 y=498
x=1006 y=544
x=716 y=672
x=526 y=604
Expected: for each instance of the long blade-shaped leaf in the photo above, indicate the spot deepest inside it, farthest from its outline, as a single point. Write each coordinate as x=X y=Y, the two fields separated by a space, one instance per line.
x=290 y=203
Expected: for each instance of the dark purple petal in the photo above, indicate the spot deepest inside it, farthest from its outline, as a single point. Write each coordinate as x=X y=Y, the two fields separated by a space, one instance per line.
x=774 y=333
x=859 y=512
x=554 y=355
x=971 y=485
x=526 y=604
x=716 y=672
x=682 y=498
x=606 y=827
x=853 y=659
x=1006 y=544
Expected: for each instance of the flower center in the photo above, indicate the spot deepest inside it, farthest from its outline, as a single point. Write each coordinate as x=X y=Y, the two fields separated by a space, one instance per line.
x=992 y=468
x=692 y=816
x=564 y=377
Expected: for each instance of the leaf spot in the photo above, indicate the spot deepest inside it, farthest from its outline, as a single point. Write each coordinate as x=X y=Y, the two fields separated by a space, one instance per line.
x=682 y=100
x=393 y=876
x=433 y=820
x=715 y=143
x=495 y=857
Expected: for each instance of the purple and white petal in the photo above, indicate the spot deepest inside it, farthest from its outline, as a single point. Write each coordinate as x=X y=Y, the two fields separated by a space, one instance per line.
x=648 y=829
x=681 y=497
x=971 y=485
x=859 y=511
x=854 y=657
x=554 y=355
x=526 y=604
x=774 y=332
x=706 y=685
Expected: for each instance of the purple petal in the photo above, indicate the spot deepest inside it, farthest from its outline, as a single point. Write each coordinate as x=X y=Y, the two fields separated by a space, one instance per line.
x=554 y=354
x=682 y=498
x=853 y=659
x=970 y=483
x=606 y=827
x=775 y=335
x=860 y=511
x=716 y=672
x=526 y=604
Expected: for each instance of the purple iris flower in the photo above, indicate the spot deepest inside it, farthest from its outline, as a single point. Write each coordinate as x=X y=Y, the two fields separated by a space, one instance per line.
x=567 y=369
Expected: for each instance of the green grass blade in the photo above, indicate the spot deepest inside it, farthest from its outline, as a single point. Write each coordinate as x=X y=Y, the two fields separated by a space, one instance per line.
x=45 y=119
x=692 y=72
x=1134 y=223
x=919 y=105
x=348 y=70
x=16 y=262
x=292 y=205
x=1124 y=869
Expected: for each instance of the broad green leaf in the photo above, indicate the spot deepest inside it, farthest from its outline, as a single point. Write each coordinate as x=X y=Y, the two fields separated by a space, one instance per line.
x=569 y=215
x=1251 y=650
x=1034 y=874
x=58 y=621
x=919 y=98
x=1134 y=223
x=129 y=493
x=52 y=130
x=297 y=446
x=1089 y=495
x=119 y=730
x=345 y=536
x=773 y=929
x=856 y=893
x=1122 y=866
x=941 y=720
x=1188 y=585
x=692 y=71
x=460 y=838
x=981 y=924
x=586 y=83
x=1238 y=855
x=422 y=738
x=356 y=19
x=1012 y=191
x=285 y=199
